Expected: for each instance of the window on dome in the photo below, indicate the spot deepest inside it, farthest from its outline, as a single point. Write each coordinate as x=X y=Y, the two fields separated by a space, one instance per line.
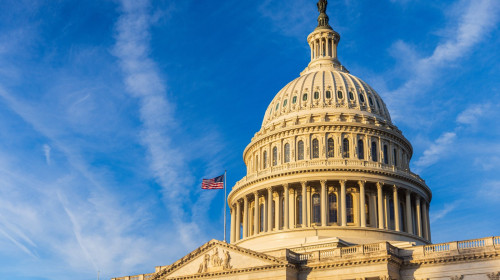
x=304 y=97
x=287 y=152
x=332 y=208
x=316 y=207
x=298 y=209
x=316 y=95
x=351 y=95
x=345 y=148
x=277 y=106
x=300 y=150
x=285 y=102
x=264 y=159
x=294 y=100
x=378 y=104
x=340 y=94
x=350 y=208
x=331 y=148
x=395 y=156
x=361 y=149
x=361 y=98
x=370 y=100
x=275 y=156
x=315 y=148
x=386 y=155
x=374 y=151
x=328 y=94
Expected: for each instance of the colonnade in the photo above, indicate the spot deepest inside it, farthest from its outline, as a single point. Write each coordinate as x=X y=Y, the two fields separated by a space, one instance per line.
x=323 y=47
x=361 y=204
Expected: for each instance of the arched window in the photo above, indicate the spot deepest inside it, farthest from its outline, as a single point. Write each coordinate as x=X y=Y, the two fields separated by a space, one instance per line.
x=294 y=100
x=298 y=209
x=374 y=151
x=351 y=95
x=275 y=156
x=350 y=208
x=287 y=152
x=361 y=149
x=277 y=106
x=300 y=150
x=331 y=148
x=316 y=208
x=367 y=209
x=386 y=155
x=304 y=97
x=316 y=95
x=264 y=159
x=285 y=102
x=328 y=94
x=340 y=95
x=395 y=156
x=370 y=100
x=345 y=148
x=361 y=98
x=315 y=148
x=332 y=208
x=262 y=214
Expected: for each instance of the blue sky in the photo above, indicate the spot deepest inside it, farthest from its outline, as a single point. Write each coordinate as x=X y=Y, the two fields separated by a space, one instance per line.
x=111 y=112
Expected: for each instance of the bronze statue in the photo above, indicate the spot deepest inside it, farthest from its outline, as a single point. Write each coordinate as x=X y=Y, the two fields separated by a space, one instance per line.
x=322 y=6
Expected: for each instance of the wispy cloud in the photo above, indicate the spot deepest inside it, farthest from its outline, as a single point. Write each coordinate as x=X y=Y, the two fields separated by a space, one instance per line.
x=46 y=152
x=436 y=150
x=475 y=20
x=471 y=115
x=441 y=213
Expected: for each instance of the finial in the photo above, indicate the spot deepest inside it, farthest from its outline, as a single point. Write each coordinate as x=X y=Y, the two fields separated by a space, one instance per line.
x=323 y=18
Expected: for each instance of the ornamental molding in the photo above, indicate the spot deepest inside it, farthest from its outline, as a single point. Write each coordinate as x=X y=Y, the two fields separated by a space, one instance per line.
x=494 y=275
x=458 y=258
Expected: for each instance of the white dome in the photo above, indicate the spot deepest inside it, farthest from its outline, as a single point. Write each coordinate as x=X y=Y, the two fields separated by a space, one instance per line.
x=325 y=91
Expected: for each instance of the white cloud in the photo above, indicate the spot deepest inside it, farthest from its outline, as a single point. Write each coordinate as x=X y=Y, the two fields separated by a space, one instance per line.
x=476 y=19
x=447 y=208
x=46 y=152
x=471 y=115
x=436 y=150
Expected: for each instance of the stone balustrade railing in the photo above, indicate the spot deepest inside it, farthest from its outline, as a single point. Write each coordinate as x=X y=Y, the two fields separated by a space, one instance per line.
x=352 y=251
x=307 y=164
x=136 y=277
x=461 y=246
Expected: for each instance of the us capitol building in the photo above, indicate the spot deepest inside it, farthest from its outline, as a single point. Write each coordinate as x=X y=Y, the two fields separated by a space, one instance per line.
x=329 y=193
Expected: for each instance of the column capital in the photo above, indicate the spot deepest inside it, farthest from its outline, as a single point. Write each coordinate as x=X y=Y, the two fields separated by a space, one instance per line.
x=342 y=182
x=303 y=183
x=322 y=182
x=361 y=183
x=285 y=186
x=269 y=189
x=245 y=198
x=395 y=188
x=408 y=192
x=379 y=185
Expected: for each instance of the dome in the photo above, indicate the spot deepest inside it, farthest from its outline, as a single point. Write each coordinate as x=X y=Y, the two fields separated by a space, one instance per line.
x=327 y=167
x=326 y=91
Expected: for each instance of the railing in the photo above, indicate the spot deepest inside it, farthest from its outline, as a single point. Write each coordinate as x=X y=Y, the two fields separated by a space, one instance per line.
x=348 y=251
x=463 y=245
x=371 y=248
x=328 y=163
x=436 y=248
x=468 y=244
x=136 y=277
x=496 y=240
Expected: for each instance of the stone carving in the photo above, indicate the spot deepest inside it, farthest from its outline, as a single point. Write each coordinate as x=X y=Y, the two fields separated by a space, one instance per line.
x=457 y=277
x=494 y=275
x=322 y=6
x=204 y=264
x=214 y=262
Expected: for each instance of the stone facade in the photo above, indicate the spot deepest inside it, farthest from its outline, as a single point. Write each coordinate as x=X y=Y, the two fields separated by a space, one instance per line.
x=329 y=193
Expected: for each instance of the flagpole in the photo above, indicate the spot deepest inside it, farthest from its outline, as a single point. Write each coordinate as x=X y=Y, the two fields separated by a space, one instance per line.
x=225 y=191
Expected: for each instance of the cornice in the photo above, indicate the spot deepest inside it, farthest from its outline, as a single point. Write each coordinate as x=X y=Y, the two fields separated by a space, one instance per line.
x=459 y=258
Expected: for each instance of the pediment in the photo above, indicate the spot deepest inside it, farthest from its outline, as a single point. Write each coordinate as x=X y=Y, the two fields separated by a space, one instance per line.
x=217 y=256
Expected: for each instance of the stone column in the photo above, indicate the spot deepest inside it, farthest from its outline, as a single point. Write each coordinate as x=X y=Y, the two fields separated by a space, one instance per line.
x=419 y=217
x=380 y=206
x=429 y=222
x=245 y=216
x=291 y=207
x=269 y=207
x=256 y=214
x=323 y=203
x=304 y=194
x=396 y=208
x=286 y=217
x=362 y=210
x=238 y=220
x=308 y=209
x=233 y=224
x=426 y=225
x=409 y=221
x=276 y=210
x=343 y=207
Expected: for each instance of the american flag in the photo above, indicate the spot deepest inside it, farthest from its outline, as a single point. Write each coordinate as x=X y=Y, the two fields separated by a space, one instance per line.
x=214 y=183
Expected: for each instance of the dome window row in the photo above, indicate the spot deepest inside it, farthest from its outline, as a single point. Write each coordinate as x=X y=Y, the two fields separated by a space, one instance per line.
x=379 y=152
